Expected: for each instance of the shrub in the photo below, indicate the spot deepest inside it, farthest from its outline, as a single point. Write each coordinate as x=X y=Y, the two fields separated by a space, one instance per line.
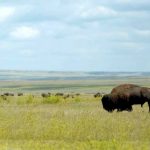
x=77 y=99
x=51 y=100
x=29 y=99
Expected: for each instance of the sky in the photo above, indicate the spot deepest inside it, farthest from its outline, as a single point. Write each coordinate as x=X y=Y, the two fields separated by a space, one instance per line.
x=75 y=35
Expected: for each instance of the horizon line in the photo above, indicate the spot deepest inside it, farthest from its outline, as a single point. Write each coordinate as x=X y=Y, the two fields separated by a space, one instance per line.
x=112 y=71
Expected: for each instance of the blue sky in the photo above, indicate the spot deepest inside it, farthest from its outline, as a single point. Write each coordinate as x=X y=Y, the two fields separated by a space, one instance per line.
x=75 y=35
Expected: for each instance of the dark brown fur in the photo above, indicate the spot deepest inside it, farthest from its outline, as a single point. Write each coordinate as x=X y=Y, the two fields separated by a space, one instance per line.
x=124 y=96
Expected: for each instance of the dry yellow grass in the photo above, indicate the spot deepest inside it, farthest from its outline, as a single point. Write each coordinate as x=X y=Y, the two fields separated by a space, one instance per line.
x=28 y=123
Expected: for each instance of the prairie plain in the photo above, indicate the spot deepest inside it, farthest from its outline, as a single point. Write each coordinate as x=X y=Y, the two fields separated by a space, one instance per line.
x=31 y=122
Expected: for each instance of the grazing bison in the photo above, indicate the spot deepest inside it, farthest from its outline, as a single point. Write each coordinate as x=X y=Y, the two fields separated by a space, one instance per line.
x=59 y=94
x=97 y=95
x=45 y=95
x=113 y=101
x=49 y=94
x=124 y=96
x=66 y=96
x=8 y=94
x=20 y=94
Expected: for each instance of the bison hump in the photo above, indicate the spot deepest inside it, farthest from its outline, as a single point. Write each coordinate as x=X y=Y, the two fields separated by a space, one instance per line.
x=123 y=87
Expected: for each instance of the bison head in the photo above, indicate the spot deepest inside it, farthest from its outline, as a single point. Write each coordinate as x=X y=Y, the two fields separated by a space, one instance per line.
x=108 y=103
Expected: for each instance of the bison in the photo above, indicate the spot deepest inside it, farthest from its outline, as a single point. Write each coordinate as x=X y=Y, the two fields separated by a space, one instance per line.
x=45 y=95
x=8 y=94
x=20 y=94
x=124 y=96
x=66 y=96
x=97 y=95
x=59 y=94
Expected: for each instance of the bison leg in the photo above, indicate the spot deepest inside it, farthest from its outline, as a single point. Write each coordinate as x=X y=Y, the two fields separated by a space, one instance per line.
x=119 y=110
x=129 y=108
x=149 y=105
x=110 y=111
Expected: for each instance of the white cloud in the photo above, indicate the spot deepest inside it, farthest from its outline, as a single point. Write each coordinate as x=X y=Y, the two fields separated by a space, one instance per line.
x=97 y=11
x=6 y=12
x=25 y=32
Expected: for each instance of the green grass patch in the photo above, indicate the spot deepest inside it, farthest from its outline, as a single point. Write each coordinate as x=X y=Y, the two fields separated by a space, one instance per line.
x=51 y=100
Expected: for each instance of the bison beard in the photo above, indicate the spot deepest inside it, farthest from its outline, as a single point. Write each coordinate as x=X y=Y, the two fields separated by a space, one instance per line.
x=124 y=96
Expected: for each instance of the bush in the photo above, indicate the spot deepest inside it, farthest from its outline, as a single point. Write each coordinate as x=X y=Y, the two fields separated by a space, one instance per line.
x=29 y=99
x=77 y=99
x=23 y=100
x=51 y=100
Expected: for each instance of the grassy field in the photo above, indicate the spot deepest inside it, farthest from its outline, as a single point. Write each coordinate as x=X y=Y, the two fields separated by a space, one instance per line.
x=82 y=86
x=31 y=122
x=79 y=123
x=83 y=82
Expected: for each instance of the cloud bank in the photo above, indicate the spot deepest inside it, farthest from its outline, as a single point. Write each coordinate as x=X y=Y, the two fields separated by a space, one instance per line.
x=88 y=35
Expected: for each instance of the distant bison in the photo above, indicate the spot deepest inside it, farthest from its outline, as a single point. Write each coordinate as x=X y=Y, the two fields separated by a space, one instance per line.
x=66 y=96
x=97 y=95
x=8 y=94
x=59 y=94
x=20 y=94
x=124 y=96
x=45 y=95
x=77 y=94
x=49 y=94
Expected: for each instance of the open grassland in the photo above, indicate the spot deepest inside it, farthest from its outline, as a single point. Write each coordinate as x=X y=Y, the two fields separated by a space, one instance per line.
x=31 y=122
x=82 y=86
x=79 y=123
